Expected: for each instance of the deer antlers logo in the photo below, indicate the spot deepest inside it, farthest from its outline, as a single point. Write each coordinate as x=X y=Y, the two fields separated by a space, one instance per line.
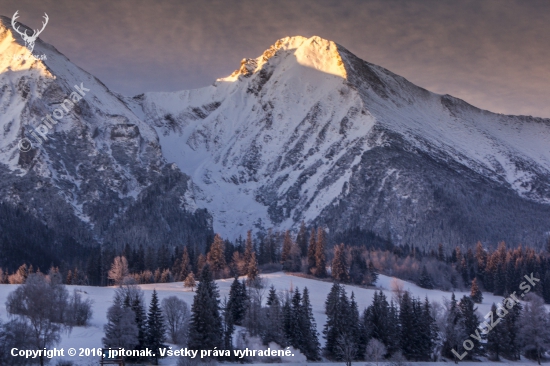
x=29 y=39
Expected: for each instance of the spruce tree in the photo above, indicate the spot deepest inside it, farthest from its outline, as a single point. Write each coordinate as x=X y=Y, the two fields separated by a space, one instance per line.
x=425 y=280
x=356 y=330
x=376 y=318
x=471 y=320
x=497 y=338
x=499 y=280
x=236 y=305
x=228 y=326
x=120 y=330
x=427 y=330
x=272 y=297
x=339 y=265
x=206 y=330
x=141 y=321
x=333 y=310
x=454 y=331
x=372 y=274
x=512 y=347
x=311 y=345
x=156 y=327
x=274 y=329
x=476 y=294
x=296 y=334
x=358 y=266
x=407 y=322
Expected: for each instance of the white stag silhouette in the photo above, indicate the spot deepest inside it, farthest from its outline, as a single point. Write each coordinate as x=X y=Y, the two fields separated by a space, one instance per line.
x=29 y=39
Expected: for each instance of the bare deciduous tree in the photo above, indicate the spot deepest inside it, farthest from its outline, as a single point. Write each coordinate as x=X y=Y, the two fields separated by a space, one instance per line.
x=177 y=315
x=40 y=303
x=375 y=350
x=346 y=348
x=397 y=288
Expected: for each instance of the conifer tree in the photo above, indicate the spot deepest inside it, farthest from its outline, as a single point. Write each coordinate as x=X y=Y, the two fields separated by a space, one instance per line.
x=248 y=249
x=372 y=274
x=471 y=320
x=427 y=330
x=356 y=330
x=236 y=305
x=320 y=259
x=301 y=240
x=253 y=271
x=190 y=281
x=185 y=265
x=206 y=330
x=358 y=266
x=141 y=320
x=311 y=249
x=285 y=254
x=499 y=280
x=339 y=265
x=377 y=320
x=296 y=334
x=228 y=325
x=454 y=332
x=512 y=347
x=497 y=338
x=311 y=345
x=407 y=323
x=121 y=330
x=393 y=343
x=476 y=294
x=216 y=256
x=480 y=261
x=274 y=330
x=333 y=310
x=156 y=327
x=272 y=296
x=425 y=280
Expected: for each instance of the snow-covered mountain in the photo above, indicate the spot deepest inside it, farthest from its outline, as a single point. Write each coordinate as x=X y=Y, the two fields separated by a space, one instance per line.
x=100 y=176
x=308 y=131
x=305 y=132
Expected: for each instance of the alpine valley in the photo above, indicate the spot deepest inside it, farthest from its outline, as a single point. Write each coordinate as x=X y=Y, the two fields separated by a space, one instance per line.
x=305 y=132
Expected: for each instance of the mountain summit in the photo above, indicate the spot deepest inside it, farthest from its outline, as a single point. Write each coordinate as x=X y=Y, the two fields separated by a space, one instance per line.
x=309 y=132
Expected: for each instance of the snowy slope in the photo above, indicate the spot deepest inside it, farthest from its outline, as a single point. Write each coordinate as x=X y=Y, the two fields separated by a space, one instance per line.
x=100 y=159
x=91 y=336
x=300 y=132
x=255 y=129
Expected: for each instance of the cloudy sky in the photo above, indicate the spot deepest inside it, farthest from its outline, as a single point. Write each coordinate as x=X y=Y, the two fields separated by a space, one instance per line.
x=492 y=53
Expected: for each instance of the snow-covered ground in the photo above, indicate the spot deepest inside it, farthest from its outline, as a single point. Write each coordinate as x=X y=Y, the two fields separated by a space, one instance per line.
x=102 y=296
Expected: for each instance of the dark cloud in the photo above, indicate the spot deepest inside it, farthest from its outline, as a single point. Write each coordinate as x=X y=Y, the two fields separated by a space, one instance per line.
x=493 y=54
